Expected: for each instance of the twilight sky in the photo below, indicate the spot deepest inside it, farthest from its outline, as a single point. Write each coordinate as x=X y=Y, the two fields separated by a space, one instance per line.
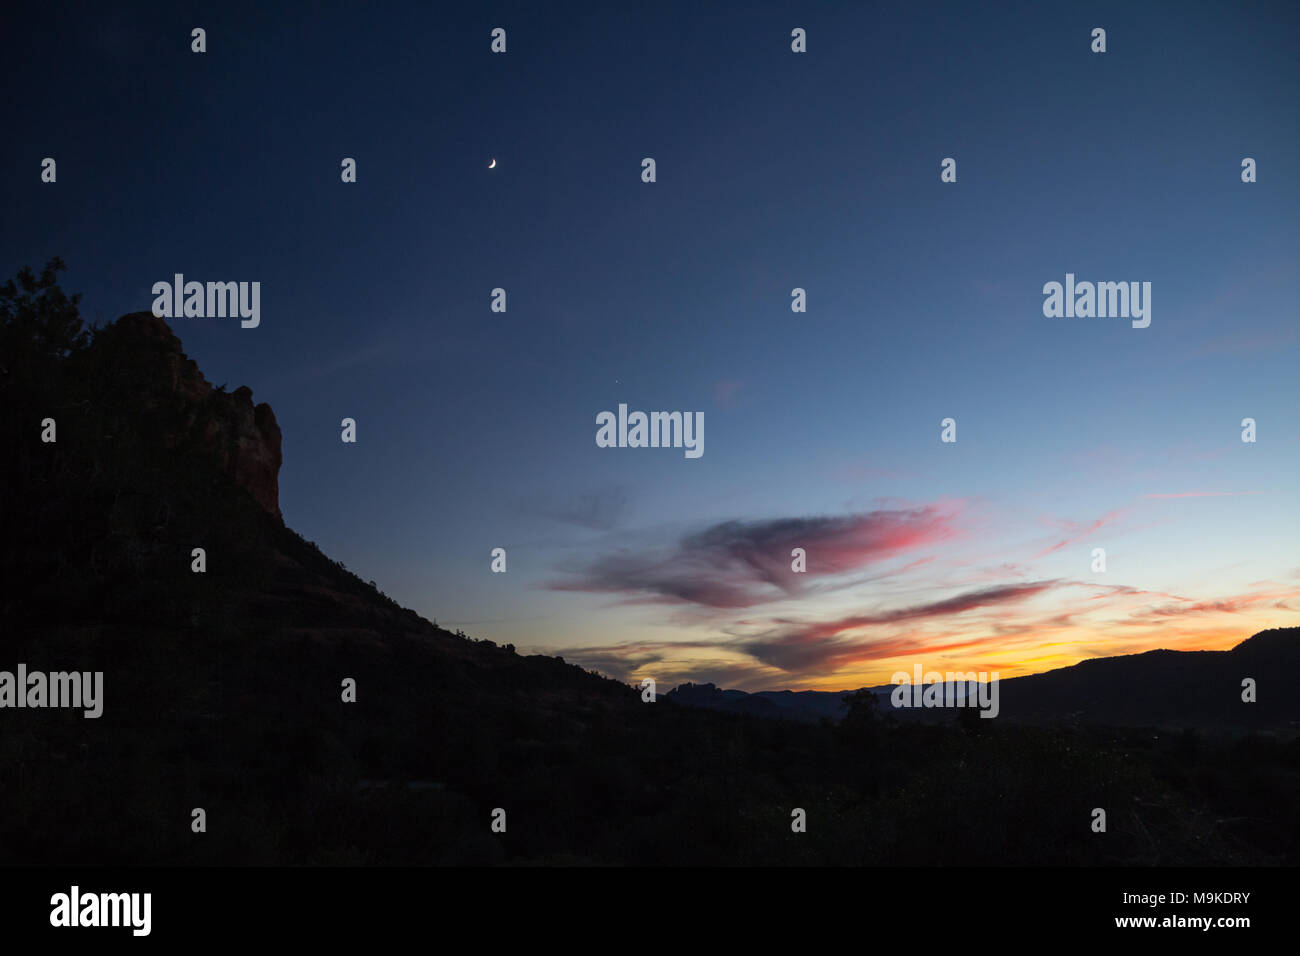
x=775 y=170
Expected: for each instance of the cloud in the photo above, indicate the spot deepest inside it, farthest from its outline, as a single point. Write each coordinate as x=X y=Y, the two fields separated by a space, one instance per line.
x=725 y=393
x=621 y=660
x=599 y=509
x=1076 y=531
x=670 y=662
x=736 y=564
x=800 y=656
x=820 y=645
x=1233 y=604
x=1106 y=590
x=781 y=652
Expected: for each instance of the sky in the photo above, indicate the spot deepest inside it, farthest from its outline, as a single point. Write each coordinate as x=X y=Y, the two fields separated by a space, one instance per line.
x=775 y=170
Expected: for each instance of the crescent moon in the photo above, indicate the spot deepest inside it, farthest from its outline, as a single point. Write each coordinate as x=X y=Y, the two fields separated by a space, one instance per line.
x=492 y=165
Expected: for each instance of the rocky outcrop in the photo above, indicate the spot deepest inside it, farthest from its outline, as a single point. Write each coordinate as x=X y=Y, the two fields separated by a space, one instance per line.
x=241 y=438
x=245 y=441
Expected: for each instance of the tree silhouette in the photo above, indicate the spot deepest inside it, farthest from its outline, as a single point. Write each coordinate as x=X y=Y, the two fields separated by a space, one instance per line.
x=39 y=324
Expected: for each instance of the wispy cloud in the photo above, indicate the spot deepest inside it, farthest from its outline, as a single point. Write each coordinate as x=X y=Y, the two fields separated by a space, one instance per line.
x=1075 y=531
x=1233 y=604
x=985 y=628
x=803 y=647
x=727 y=392
x=738 y=564
x=597 y=509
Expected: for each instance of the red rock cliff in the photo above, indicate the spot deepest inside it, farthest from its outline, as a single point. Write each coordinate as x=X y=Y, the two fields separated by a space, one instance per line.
x=242 y=439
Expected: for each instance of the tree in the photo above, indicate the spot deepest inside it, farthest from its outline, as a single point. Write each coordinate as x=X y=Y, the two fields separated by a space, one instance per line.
x=861 y=732
x=39 y=324
x=862 y=711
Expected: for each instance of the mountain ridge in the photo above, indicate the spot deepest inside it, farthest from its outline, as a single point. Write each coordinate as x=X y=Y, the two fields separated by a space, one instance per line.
x=1089 y=690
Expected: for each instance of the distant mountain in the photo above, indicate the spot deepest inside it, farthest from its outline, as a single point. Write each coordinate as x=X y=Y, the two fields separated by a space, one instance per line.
x=1161 y=688
x=805 y=705
x=1164 y=688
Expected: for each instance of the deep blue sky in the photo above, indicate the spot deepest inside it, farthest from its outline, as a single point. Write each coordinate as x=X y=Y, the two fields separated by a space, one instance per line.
x=775 y=170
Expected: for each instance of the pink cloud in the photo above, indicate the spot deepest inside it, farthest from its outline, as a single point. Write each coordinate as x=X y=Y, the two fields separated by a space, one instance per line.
x=726 y=391
x=737 y=564
x=1076 y=531
x=804 y=647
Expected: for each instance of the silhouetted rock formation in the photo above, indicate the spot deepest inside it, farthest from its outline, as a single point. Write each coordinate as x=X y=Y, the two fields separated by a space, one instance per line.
x=242 y=439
